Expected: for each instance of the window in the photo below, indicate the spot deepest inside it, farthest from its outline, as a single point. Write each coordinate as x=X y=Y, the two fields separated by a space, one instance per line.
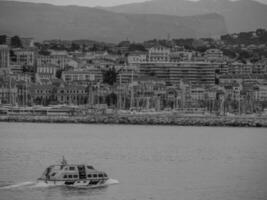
x=72 y=168
x=65 y=176
x=100 y=175
x=105 y=175
x=90 y=167
x=89 y=176
x=95 y=175
x=75 y=176
x=70 y=176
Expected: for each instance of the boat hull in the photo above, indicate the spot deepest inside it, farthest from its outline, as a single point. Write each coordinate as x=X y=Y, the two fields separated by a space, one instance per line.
x=74 y=184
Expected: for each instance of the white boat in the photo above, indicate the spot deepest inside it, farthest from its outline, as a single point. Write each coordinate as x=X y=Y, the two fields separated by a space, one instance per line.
x=73 y=175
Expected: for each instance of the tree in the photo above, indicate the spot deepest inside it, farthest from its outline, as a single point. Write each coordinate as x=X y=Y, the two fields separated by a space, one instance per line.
x=261 y=32
x=111 y=99
x=3 y=39
x=75 y=47
x=110 y=76
x=44 y=52
x=26 y=68
x=229 y=53
x=59 y=73
x=136 y=47
x=16 y=42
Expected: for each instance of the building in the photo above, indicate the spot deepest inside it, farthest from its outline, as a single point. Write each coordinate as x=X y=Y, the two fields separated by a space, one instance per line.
x=72 y=94
x=27 y=42
x=214 y=55
x=24 y=57
x=127 y=75
x=259 y=69
x=46 y=72
x=178 y=54
x=261 y=93
x=59 y=59
x=90 y=74
x=62 y=94
x=42 y=94
x=237 y=68
x=193 y=73
x=4 y=57
x=8 y=92
x=137 y=57
x=159 y=54
x=197 y=94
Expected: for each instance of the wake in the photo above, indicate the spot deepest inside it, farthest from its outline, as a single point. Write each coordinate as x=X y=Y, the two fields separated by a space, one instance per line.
x=18 y=185
x=37 y=184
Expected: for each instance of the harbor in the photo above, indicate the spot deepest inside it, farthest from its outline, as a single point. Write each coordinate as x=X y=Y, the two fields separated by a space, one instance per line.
x=172 y=119
x=148 y=162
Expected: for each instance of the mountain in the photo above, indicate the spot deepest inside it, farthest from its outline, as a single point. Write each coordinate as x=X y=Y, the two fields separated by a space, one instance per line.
x=240 y=15
x=45 y=21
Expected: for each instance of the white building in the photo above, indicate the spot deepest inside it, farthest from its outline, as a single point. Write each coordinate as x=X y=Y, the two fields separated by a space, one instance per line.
x=4 y=57
x=27 y=42
x=24 y=57
x=91 y=74
x=159 y=54
x=137 y=57
x=59 y=59
x=46 y=72
x=214 y=55
x=197 y=94
x=180 y=54
x=261 y=93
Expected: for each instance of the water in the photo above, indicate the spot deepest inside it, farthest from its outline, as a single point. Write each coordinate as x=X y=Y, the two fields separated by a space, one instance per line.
x=148 y=162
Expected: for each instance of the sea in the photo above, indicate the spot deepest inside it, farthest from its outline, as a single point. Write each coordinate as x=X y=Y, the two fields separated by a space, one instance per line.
x=143 y=162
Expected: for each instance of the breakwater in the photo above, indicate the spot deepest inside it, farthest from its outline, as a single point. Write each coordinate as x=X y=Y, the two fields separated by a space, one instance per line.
x=175 y=120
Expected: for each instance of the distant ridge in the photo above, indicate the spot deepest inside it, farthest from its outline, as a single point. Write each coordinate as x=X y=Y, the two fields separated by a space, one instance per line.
x=45 y=21
x=240 y=15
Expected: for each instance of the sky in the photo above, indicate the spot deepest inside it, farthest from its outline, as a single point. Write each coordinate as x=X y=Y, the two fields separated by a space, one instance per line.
x=92 y=3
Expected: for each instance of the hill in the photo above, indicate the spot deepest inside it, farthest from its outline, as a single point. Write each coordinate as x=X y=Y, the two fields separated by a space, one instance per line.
x=240 y=15
x=45 y=21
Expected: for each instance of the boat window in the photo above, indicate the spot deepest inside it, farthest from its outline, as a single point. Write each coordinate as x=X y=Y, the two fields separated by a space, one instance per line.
x=105 y=175
x=84 y=182
x=75 y=176
x=78 y=181
x=89 y=176
x=70 y=176
x=72 y=168
x=56 y=167
x=90 y=167
x=100 y=175
x=95 y=175
x=65 y=176
x=53 y=174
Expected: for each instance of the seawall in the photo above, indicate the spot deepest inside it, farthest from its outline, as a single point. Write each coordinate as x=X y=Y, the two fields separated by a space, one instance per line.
x=173 y=120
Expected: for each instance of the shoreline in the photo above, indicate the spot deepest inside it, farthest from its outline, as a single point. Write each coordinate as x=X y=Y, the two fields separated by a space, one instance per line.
x=167 y=120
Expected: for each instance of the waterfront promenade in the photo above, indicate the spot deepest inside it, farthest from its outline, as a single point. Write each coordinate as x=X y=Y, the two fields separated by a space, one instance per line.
x=145 y=119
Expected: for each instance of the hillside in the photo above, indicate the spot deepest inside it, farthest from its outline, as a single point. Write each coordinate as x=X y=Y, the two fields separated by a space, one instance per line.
x=240 y=15
x=44 y=21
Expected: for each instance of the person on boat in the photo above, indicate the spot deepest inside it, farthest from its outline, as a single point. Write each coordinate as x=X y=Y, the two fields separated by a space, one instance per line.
x=64 y=161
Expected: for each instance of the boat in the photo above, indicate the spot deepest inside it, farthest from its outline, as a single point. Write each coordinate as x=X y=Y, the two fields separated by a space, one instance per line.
x=73 y=175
